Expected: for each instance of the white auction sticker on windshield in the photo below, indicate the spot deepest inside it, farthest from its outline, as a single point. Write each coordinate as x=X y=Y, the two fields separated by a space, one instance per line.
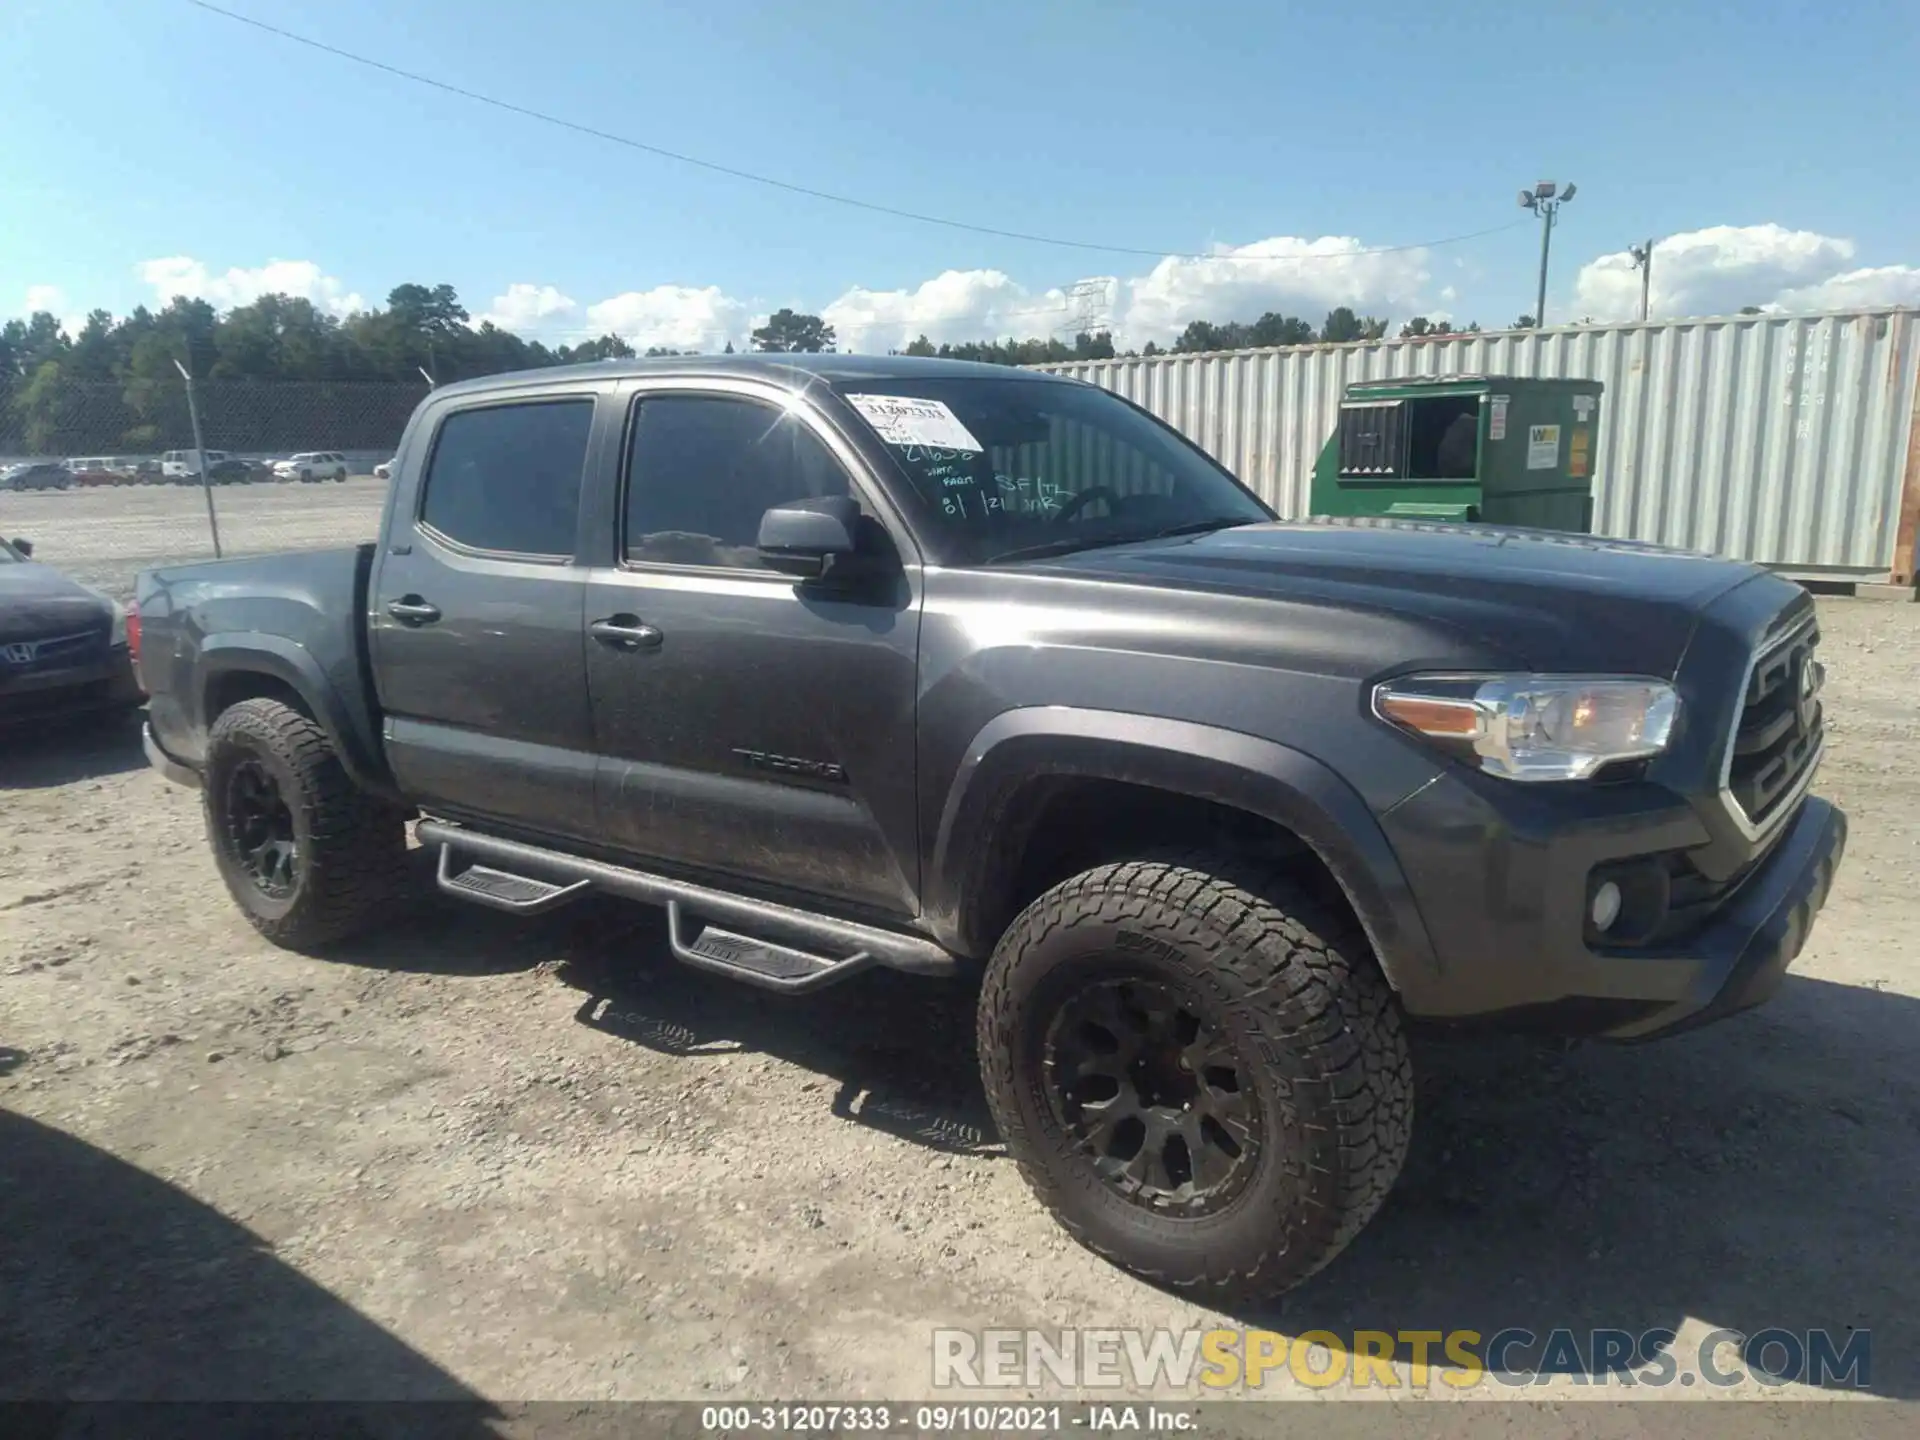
x=910 y=420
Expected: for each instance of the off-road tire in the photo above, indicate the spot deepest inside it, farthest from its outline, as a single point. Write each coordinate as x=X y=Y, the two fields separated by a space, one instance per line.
x=1291 y=983
x=350 y=847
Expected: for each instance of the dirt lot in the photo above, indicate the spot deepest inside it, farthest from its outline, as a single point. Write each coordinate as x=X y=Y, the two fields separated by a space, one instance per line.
x=538 y=1159
x=103 y=537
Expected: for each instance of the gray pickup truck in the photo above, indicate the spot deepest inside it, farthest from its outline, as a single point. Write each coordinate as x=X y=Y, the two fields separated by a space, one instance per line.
x=978 y=673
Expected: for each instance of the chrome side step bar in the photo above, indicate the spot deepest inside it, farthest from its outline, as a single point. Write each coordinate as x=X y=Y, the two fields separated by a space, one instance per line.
x=774 y=946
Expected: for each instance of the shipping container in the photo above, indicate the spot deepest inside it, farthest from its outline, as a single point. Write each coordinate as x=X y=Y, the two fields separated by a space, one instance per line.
x=1786 y=439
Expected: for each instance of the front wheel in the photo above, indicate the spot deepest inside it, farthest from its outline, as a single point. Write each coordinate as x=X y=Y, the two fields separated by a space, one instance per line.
x=308 y=856
x=1199 y=1070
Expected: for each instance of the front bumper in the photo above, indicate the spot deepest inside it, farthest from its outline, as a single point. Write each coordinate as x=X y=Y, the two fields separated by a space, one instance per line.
x=1505 y=904
x=102 y=685
x=1741 y=956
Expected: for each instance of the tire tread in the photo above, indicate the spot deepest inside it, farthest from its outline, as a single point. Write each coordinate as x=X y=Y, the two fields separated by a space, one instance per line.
x=1308 y=970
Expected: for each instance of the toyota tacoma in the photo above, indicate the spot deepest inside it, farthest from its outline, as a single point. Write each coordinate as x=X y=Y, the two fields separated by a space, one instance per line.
x=987 y=674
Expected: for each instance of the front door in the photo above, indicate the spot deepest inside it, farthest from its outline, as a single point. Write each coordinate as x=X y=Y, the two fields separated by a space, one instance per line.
x=477 y=618
x=752 y=729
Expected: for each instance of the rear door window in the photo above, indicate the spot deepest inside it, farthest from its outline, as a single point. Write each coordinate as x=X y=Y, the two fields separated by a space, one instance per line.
x=506 y=478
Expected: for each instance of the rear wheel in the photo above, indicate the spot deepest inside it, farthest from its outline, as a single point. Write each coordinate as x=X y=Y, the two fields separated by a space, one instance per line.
x=308 y=856
x=1199 y=1071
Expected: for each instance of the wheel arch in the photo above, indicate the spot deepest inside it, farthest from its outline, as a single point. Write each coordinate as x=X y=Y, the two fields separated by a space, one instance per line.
x=258 y=666
x=1024 y=761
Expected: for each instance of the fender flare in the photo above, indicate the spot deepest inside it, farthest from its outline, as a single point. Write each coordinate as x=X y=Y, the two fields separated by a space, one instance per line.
x=1020 y=749
x=254 y=653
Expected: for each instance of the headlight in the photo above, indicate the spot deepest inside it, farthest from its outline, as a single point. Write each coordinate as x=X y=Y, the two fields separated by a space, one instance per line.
x=119 y=623
x=1535 y=727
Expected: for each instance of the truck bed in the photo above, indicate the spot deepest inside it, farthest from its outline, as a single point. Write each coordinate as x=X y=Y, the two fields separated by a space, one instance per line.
x=292 y=625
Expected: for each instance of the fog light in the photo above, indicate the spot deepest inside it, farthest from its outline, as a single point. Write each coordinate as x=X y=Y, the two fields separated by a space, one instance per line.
x=1606 y=905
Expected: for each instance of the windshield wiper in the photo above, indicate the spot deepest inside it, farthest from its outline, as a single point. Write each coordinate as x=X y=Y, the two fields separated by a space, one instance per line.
x=1066 y=544
x=1198 y=527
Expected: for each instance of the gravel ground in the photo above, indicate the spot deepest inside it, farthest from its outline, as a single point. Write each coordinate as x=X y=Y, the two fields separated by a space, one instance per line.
x=537 y=1159
x=103 y=537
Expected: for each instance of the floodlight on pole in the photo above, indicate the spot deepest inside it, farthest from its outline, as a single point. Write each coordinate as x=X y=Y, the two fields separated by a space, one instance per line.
x=1545 y=200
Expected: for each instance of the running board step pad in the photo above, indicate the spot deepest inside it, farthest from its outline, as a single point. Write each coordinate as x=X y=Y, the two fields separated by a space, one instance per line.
x=758 y=962
x=521 y=894
x=741 y=952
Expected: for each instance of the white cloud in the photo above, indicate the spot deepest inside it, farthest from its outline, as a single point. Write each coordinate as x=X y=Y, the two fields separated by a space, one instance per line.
x=182 y=275
x=43 y=297
x=674 y=317
x=525 y=309
x=1720 y=270
x=1293 y=276
x=958 y=305
x=1856 y=289
x=1286 y=274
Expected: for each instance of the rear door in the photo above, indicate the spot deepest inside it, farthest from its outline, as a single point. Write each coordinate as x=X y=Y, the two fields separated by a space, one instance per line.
x=762 y=734
x=476 y=612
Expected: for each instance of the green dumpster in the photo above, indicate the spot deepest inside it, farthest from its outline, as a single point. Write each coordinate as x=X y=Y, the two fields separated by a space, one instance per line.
x=1491 y=449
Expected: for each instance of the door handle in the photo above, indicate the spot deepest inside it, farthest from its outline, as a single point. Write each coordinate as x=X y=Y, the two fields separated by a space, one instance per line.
x=626 y=632
x=412 y=610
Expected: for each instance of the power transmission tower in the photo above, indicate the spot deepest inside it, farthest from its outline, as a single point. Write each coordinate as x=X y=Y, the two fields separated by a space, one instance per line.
x=1086 y=309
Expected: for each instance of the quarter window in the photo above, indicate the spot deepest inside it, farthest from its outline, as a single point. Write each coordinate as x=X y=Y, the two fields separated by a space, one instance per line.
x=705 y=468
x=507 y=477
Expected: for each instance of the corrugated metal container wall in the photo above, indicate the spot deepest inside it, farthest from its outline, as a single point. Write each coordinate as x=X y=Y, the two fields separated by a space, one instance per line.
x=1777 y=438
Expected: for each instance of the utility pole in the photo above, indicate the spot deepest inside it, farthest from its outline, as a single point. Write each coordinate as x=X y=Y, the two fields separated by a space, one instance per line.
x=1545 y=200
x=200 y=456
x=1643 y=262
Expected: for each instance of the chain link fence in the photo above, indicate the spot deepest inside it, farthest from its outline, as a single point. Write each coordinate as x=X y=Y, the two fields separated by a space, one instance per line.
x=105 y=480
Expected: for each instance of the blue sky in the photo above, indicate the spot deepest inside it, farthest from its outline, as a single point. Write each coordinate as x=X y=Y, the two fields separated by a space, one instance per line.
x=151 y=146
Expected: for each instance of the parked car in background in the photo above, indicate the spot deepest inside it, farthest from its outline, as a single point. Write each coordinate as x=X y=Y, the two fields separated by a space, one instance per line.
x=384 y=470
x=94 y=470
x=64 y=649
x=312 y=465
x=181 y=465
x=234 y=472
x=37 y=475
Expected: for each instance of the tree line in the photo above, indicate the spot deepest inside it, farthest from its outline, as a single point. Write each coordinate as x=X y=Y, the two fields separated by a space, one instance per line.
x=123 y=369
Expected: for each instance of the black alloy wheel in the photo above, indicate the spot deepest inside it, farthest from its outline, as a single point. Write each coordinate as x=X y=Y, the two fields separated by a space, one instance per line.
x=259 y=829
x=1153 y=1095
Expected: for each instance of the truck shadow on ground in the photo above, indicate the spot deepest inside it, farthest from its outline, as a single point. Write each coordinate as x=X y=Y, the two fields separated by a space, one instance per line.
x=43 y=756
x=120 y=1287
x=1757 y=1175
x=899 y=1048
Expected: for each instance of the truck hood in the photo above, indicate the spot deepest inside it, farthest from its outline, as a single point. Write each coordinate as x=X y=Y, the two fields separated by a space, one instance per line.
x=1553 y=601
x=37 y=601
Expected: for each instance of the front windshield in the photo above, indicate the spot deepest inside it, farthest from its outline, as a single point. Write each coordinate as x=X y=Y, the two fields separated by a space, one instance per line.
x=999 y=469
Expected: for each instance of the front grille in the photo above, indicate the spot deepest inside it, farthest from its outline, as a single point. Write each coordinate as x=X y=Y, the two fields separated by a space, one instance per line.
x=1778 y=734
x=56 y=652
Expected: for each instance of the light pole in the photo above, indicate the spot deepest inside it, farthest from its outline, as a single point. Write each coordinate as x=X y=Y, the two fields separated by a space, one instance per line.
x=1545 y=200
x=200 y=457
x=1643 y=262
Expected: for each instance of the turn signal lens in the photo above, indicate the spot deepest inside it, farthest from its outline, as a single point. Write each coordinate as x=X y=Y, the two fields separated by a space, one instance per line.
x=1430 y=715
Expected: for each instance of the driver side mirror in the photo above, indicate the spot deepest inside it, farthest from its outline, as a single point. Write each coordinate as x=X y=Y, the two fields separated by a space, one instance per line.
x=808 y=538
x=25 y=547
